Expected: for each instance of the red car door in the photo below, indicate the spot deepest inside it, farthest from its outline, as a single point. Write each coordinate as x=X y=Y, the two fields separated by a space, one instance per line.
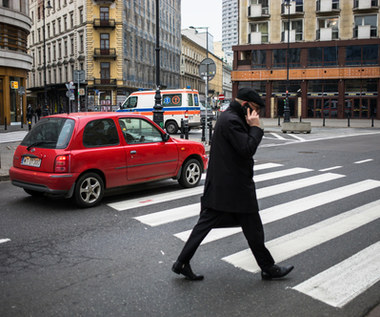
x=148 y=156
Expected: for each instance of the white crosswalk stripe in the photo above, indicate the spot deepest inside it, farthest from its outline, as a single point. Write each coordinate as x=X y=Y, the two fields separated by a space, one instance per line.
x=12 y=136
x=342 y=285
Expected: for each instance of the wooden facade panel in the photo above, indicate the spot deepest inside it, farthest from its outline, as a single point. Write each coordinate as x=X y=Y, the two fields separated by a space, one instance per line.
x=307 y=74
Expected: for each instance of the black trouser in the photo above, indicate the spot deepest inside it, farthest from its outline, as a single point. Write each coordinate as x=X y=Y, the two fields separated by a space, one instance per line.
x=249 y=222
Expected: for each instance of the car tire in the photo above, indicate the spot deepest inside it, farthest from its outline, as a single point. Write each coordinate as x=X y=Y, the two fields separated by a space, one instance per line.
x=89 y=190
x=33 y=192
x=191 y=173
x=171 y=127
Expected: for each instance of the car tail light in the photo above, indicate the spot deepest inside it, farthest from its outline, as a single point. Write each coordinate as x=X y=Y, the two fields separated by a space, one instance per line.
x=61 y=164
x=186 y=114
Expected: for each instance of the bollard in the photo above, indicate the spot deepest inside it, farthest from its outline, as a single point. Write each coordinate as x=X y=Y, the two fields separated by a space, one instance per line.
x=324 y=120
x=5 y=123
x=348 y=120
x=279 y=121
x=182 y=128
x=22 y=122
x=300 y=119
x=203 y=129
x=186 y=123
x=373 y=119
x=210 y=132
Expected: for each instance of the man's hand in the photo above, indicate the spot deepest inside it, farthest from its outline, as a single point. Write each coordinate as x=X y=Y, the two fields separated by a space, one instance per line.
x=252 y=118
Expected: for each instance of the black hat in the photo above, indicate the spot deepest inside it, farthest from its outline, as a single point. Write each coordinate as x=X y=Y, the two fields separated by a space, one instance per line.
x=248 y=94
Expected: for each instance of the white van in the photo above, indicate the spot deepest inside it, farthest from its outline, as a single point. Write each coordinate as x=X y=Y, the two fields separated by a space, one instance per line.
x=177 y=104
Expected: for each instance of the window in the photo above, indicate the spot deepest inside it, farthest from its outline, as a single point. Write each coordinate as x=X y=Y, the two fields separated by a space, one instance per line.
x=322 y=56
x=361 y=22
x=104 y=41
x=259 y=58
x=330 y=24
x=137 y=131
x=80 y=15
x=104 y=13
x=296 y=28
x=131 y=102
x=100 y=133
x=81 y=43
x=261 y=28
x=279 y=58
x=362 y=55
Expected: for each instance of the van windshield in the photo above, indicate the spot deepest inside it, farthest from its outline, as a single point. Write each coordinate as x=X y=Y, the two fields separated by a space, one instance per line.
x=50 y=133
x=130 y=102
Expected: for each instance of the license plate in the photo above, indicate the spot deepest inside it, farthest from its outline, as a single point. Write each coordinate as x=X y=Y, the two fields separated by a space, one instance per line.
x=31 y=161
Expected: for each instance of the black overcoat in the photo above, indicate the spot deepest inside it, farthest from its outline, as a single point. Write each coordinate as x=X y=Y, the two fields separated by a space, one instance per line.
x=229 y=182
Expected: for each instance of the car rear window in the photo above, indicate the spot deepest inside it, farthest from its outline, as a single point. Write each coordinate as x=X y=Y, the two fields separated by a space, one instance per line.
x=51 y=133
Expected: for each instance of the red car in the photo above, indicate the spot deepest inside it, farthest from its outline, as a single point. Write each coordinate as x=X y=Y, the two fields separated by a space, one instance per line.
x=81 y=155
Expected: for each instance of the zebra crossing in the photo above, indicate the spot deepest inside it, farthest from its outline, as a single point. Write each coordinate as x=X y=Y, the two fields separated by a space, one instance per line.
x=335 y=286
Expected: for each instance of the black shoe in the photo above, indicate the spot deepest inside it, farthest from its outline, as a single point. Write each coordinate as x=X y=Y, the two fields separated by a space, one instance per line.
x=185 y=269
x=276 y=271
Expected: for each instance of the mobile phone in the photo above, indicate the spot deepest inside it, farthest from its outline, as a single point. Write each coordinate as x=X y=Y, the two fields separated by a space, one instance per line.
x=246 y=109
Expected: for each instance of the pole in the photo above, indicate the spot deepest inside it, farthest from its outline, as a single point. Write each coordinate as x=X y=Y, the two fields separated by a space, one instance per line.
x=45 y=110
x=158 y=113
x=206 y=123
x=286 y=107
x=78 y=91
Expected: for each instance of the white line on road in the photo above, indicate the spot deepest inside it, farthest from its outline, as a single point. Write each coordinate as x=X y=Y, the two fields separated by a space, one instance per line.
x=283 y=173
x=281 y=211
x=330 y=168
x=304 y=239
x=343 y=282
x=363 y=161
x=4 y=240
x=277 y=136
x=297 y=137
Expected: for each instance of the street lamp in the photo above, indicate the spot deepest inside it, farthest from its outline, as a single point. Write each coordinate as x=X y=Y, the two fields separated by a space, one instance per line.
x=206 y=79
x=158 y=113
x=286 y=106
x=45 y=110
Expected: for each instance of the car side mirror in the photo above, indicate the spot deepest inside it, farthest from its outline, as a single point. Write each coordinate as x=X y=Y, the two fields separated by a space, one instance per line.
x=166 y=137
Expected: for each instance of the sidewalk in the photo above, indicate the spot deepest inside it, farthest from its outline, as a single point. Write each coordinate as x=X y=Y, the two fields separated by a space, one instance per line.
x=270 y=125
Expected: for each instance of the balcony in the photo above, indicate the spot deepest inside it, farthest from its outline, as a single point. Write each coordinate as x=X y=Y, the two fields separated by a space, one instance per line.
x=258 y=38
x=102 y=23
x=292 y=36
x=105 y=82
x=364 y=32
x=327 y=34
x=365 y=5
x=257 y=11
x=327 y=7
x=293 y=11
x=105 y=53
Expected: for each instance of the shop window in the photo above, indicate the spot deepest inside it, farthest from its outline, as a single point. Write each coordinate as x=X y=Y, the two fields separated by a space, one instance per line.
x=259 y=59
x=279 y=58
x=322 y=56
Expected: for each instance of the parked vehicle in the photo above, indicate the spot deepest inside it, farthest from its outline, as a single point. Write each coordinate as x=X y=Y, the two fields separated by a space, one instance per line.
x=80 y=155
x=177 y=104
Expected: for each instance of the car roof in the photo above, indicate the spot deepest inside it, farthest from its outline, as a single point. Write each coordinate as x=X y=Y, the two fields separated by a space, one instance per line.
x=94 y=115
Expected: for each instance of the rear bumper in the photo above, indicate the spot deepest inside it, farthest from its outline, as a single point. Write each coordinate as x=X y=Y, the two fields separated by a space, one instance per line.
x=50 y=183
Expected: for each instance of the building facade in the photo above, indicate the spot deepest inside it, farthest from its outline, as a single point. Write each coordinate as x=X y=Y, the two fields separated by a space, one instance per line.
x=230 y=14
x=112 y=41
x=15 y=25
x=192 y=56
x=324 y=53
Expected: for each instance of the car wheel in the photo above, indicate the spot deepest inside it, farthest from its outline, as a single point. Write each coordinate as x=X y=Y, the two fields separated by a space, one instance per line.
x=33 y=192
x=191 y=173
x=171 y=127
x=89 y=190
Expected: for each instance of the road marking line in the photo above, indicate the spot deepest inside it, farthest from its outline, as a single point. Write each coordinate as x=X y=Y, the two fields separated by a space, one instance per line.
x=277 y=136
x=4 y=240
x=363 y=161
x=304 y=239
x=281 y=211
x=330 y=168
x=278 y=174
x=343 y=282
x=297 y=137
x=158 y=198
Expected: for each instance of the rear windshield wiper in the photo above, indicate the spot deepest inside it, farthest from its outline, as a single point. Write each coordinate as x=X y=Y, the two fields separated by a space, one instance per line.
x=39 y=143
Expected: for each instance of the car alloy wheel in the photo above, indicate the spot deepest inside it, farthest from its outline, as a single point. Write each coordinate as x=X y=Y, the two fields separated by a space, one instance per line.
x=191 y=173
x=89 y=190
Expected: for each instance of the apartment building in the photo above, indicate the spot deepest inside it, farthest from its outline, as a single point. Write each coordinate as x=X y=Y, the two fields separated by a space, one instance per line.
x=112 y=41
x=15 y=25
x=324 y=53
x=230 y=14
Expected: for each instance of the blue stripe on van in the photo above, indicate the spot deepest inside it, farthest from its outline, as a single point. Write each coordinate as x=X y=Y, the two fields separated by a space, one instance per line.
x=164 y=108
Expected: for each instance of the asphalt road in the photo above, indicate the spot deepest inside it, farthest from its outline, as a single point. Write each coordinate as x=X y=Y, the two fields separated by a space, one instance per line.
x=115 y=259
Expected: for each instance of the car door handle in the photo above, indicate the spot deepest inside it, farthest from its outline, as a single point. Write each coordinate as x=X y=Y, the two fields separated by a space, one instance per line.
x=133 y=152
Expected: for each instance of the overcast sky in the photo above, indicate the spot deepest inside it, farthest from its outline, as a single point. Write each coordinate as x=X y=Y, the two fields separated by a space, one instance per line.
x=203 y=13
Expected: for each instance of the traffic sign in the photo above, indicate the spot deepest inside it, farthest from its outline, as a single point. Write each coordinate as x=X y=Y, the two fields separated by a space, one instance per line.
x=14 y=84
x=79 y=74
x=207 y=68
x=221 y=97
x=70 y=85
x=21 y=91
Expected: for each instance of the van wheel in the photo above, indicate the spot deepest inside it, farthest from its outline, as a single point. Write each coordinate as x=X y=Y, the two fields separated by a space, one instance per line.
x=191 y=174
x=89 y=190
x=171 y=127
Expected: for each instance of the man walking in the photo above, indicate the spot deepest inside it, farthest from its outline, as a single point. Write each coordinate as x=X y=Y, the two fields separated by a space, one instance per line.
x=229 y=197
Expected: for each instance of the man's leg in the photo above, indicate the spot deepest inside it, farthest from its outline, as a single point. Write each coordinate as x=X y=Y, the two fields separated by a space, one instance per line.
x=254 y=233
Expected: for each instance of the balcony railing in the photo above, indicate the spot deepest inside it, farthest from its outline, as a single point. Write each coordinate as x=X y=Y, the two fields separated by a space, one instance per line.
x=327 y=7
x=105 y=53
x=365 y=5
x=103 y=23
x=105 y=82
x=294 y=9
x=364 y=32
